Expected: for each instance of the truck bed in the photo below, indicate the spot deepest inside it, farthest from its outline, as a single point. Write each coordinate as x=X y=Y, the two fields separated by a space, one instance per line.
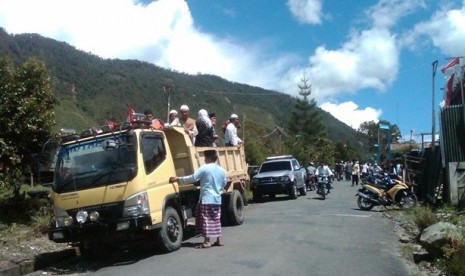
x=188 y=158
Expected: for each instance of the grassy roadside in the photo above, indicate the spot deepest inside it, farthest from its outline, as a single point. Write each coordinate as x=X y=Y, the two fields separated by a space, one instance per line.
x=452 y=260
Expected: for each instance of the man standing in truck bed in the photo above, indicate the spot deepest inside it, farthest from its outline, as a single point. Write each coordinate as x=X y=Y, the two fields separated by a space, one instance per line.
x=208 y=212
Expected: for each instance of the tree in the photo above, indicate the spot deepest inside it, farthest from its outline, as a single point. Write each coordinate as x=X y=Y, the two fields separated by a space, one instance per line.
x=26 y=115
x=306 y=125
x=255 y=145
x=377 y=136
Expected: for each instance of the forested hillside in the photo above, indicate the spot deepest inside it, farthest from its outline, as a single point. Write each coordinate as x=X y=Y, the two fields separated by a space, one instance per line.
x=92 y=89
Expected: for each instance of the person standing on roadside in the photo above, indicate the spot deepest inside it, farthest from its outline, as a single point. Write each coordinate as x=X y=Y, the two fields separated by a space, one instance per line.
x=364 y=171
x=355 y=173
x=208 y=212
x=230 y=134
x=348 y=170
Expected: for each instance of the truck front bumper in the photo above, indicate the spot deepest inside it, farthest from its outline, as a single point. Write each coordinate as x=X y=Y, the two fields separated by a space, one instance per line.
x=122 y=229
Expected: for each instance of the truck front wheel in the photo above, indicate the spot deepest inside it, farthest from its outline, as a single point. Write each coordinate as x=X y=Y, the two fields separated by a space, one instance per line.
x=236 y=208
x=171 y=233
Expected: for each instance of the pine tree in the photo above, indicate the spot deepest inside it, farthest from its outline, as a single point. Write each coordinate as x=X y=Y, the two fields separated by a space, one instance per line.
x=306 y=127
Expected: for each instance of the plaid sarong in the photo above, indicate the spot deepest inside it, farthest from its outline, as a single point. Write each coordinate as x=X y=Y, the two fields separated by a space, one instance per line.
x=208 y=220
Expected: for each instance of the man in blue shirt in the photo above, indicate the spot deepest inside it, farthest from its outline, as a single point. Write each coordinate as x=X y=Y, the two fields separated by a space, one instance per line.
x=208 y=212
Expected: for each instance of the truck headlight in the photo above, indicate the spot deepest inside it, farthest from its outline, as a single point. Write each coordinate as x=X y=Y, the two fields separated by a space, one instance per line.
x=136 y=205
x=284 y=178
x=94 y=216
x=82 y=216
x=62 y=219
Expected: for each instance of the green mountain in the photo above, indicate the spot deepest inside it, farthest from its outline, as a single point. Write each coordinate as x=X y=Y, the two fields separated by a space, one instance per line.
x=92 y=89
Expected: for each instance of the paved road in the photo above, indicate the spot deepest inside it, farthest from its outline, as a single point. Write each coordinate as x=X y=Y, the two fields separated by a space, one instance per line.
x=307 y=236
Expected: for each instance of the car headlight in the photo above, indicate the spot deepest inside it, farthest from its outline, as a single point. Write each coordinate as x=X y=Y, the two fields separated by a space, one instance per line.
x=284 y=178
x=255 y=180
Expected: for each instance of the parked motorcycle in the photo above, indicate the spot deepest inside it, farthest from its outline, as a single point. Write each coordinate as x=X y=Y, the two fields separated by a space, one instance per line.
x=386 y=190
x=322 y=185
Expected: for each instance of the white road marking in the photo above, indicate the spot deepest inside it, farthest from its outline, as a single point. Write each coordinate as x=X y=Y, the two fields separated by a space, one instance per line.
x=350 y=215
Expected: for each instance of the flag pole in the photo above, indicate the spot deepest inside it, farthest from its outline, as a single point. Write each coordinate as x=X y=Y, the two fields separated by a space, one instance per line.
x=433 y=132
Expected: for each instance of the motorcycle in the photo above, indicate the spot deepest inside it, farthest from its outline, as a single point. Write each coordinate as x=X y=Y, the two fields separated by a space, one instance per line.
x=310 y=182
x=322 y=186
x=386 y=190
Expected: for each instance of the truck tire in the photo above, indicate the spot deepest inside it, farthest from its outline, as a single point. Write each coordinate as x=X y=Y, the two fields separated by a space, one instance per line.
x=235 y=208
x=171 y=233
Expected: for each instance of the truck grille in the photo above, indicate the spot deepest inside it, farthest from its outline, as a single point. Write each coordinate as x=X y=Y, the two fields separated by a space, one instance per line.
x=109 y=212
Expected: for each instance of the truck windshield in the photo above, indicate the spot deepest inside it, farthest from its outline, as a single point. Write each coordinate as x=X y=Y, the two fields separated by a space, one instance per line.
x=276 y=166
x=97 y=162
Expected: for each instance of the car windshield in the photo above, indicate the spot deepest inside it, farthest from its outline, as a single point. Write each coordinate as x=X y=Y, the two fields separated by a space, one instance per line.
x=97 y=162
x=276 y=166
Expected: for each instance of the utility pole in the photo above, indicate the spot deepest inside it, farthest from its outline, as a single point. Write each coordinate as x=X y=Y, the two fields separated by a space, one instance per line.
x=411 y=138
x=433 y=132
x=167 y=90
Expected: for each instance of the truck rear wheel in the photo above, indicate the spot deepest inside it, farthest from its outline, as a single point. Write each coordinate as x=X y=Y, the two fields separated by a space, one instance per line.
x=235 y=208
x=171 y=233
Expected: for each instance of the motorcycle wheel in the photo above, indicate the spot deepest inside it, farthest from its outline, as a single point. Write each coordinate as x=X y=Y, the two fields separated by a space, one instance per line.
x=408 y=201
x=322 y=193
x=364 y=204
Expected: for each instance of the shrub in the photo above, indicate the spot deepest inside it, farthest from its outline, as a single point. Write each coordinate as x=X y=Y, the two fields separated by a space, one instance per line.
x=454 y=256
x=40 y=221
x=424 y=217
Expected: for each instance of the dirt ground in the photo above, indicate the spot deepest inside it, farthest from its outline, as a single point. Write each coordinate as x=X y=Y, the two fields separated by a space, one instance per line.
x=18 y=245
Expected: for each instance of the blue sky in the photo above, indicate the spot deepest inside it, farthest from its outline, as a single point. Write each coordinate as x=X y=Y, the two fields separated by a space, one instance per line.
x=366 y=60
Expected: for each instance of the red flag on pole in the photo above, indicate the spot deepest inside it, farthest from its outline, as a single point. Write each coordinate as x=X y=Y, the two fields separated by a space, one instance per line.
x=449 y=90
x=130 y=114
x=112 y=125
x=451 y=66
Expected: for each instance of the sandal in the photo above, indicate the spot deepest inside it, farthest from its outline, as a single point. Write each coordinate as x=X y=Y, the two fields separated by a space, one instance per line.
x=218 y=244
x=203 y=245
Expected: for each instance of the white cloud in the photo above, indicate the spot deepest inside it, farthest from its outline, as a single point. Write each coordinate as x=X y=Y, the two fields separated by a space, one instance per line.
x=369 y=59
x=350 y=114
x=161 y=32
x=386 y=13
x=446 y=28
x=306 y=11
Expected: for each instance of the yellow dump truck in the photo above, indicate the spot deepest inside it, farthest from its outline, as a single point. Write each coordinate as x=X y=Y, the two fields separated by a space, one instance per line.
x=113 y=187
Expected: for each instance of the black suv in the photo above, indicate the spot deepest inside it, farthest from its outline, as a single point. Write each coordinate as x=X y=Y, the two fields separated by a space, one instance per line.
x=279 y=175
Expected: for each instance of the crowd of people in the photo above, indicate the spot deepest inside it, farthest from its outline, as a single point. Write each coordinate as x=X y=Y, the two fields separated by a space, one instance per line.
x=350 y=170
x=202 y=130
